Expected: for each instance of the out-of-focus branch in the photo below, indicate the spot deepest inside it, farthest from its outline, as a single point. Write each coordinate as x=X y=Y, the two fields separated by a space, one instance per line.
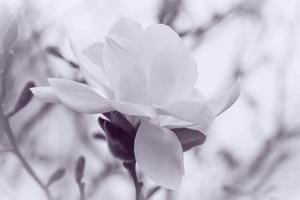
x=229 y=159
x=169 y=195
x=17 y=152
x=56 y=52
x=5 y=125
x=137 y=184
x=248 y=8
x=169 y=11
x=152 y=192
x=270 y=157
x=27 y=126
x=79 y=172
x=95 y=184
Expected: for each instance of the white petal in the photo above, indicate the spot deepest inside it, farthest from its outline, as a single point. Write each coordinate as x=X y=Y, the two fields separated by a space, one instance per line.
x=224 y=101
x=94 y=53
x=159 y=154
x=127 y=28
x=133 y=109
x=190 y=111
x=172 y=74
x=172 y=122
x=153 y=37
x=45 y=94
x=78 y=96
x=93 y=73
x=196 y=95
x=124 y=71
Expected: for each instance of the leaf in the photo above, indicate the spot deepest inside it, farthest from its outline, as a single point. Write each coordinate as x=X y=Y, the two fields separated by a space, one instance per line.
x=80 y=165
x=54 y=51
x=189 y=138
x=24 y=98
x=56 y=176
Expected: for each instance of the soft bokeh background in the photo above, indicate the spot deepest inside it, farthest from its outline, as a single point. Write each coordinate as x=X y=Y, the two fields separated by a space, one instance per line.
x=252 y=150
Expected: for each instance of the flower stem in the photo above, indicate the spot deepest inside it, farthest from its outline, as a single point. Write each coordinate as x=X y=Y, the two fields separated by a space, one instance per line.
x=130 y=166
x=15 y=149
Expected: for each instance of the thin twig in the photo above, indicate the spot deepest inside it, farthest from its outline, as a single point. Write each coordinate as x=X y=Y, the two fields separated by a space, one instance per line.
x=19 y=155
x=98 y=180
x=4 y=122
x=138 y=185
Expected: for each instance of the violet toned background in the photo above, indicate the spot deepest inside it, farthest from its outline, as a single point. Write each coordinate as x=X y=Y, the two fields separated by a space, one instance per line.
x=252 y=150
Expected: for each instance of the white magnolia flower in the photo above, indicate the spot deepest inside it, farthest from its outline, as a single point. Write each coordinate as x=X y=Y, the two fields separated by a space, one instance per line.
x=148 y=73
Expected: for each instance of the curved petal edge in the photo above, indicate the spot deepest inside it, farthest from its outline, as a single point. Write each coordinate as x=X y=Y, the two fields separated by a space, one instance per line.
x=159 y=154
x=78 y=96
x=222 y=102
x=45 y=94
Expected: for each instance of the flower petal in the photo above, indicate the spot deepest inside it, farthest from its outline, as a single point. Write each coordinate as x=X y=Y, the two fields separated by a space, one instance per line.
x=159 y=154
x=153 y=37
x=93 y=74
x=94 y=53
x=127 y=28
x=196 y=95
x=224 y=101
x=172 y=74
x=78 y=96
x=45 y=94
x=172 y=122
x=191 y=111
x=133 y=109
x=124 y=71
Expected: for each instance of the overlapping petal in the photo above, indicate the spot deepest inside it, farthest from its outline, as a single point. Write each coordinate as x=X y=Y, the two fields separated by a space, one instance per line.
x=93 y=73
x=127 y=28
x=123 y=69
x=159 y=154
x=133 y=109
x=196 y=95
x=191 y=111
x=222 y=102
x=172 y=74
x=171 y=70
x=94 y=53
x=78 y=96
x=153 y=37
x=172 y=122
x=45 y=94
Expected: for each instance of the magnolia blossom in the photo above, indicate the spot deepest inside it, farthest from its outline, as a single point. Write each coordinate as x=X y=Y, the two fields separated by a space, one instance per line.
x=145 y=74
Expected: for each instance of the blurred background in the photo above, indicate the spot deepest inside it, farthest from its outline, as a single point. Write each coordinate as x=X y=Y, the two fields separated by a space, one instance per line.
x=252 y=151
